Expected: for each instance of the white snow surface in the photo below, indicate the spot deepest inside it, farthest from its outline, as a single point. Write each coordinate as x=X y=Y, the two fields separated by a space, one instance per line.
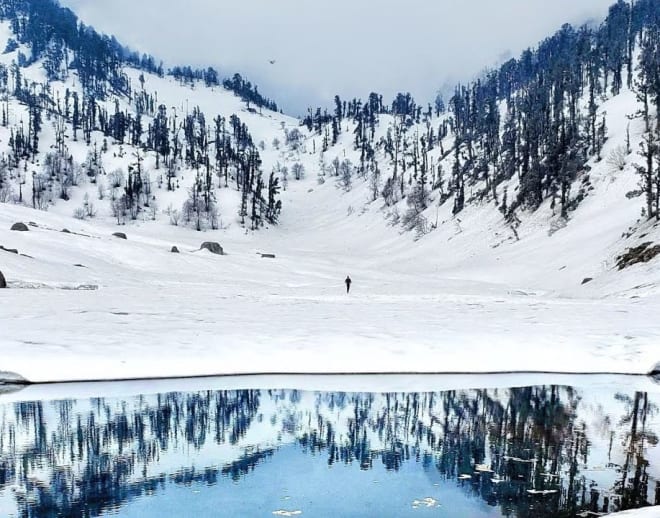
x=330 y=383
x=467 y=297
x=158 y=314
x=646 y=512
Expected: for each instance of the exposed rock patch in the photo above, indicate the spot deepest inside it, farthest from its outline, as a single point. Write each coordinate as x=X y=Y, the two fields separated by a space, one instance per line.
x=120 y=235
x=212 y=247
x=20 y=227
x=639 y=254
x=655 y=371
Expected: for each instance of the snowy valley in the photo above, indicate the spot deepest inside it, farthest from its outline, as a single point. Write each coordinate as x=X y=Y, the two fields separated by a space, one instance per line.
x=469 y=250
x=176 y=334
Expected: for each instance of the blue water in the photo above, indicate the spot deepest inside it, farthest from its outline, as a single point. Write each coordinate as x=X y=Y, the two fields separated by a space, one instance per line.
x=293 y=481
x=542 y=451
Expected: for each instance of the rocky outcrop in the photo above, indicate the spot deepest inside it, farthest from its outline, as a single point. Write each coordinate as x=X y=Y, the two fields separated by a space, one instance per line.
x=640 y=254
x=213 y=247
x=20 y=227
x=120 y=235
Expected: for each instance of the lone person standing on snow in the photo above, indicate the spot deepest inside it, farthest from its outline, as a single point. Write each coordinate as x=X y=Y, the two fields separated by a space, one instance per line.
x=348 y=282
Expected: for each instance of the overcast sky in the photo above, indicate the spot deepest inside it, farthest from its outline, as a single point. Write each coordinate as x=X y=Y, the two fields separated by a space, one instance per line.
x=349 y=47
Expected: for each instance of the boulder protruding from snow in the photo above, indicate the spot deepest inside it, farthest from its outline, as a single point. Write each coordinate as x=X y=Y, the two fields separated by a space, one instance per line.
x=66 y=231
x=120 y=235
x=3 y=282
x=268 y=256
x=212 y=247
x=175 y=250
x=20 y=227
x=587 y=280
x=655 y=371
x=10 y=250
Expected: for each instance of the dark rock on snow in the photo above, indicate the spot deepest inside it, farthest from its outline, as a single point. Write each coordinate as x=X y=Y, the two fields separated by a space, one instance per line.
x=10 y=250
x=213 y=247
x=639 y=254
x=120 y=235
x=175 y=250
x=3 y=282
x=66 y=231
x=268 y=256
x=19 y=227
x=587 y=280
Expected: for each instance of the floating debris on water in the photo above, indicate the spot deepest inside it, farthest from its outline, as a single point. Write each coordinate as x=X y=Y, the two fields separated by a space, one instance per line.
x=542 y=491
x=426 y=502
x=483 y=468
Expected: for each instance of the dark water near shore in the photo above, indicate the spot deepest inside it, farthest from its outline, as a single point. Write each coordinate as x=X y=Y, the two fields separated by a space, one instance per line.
x=547 y=451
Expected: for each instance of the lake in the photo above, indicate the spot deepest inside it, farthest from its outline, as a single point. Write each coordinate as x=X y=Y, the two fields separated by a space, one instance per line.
x=577 y=447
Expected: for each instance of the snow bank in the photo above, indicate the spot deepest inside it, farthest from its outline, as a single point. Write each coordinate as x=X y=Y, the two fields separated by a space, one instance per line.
x=158 y=314
x=648 y=512
x=353 y=384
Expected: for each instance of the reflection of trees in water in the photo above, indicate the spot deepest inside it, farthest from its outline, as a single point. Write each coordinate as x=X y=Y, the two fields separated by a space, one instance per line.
x=634 y=488
x=529 y=437
x=99 y=458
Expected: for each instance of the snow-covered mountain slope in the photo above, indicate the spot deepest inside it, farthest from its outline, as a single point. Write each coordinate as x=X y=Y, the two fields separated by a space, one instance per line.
x=473 y=292
x=543 y=251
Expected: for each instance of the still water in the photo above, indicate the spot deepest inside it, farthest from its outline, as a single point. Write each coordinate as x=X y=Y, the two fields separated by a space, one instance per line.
x=546 y=451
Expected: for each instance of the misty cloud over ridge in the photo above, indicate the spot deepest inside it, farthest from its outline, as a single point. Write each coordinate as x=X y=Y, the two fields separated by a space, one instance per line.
x=349 y=47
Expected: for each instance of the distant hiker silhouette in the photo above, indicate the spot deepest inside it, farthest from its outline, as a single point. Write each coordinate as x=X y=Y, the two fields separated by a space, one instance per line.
x=348 y=282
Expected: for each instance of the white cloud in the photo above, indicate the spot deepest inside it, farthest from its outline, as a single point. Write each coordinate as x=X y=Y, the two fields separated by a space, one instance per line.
x=323 y=47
